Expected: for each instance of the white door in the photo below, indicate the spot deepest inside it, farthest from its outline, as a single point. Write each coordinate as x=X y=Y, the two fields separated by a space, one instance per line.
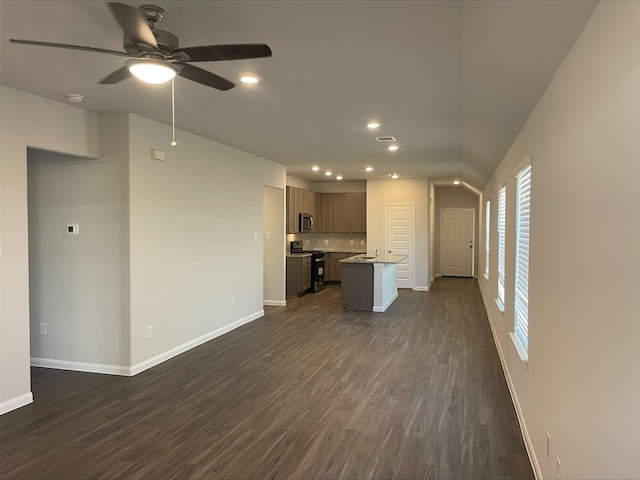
x=400 y=240
x=456 y=241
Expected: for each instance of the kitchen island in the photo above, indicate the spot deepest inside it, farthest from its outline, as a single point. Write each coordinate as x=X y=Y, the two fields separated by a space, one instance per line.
x=370 y=282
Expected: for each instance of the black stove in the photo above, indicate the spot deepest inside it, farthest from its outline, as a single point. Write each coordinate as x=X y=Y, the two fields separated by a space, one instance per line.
x=317 y=264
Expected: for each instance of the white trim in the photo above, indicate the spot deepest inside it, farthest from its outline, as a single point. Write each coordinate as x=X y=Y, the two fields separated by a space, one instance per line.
x=514 y=397
x=275 y=303
x=152 y=362
x=412 y=253
x=522 y=352
x=80 y=366
x=473 y=237
x=500 y=305
x=384 y=307
x=421 y=289
x=524 y=163
x=146 y=364
x=16 y=403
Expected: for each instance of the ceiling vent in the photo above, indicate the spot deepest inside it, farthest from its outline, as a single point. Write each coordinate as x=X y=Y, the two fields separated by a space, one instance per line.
x=385 y=139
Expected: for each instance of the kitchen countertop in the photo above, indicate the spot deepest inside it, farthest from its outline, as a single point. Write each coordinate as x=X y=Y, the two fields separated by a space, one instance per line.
x=342 y=250
x=381 y=258
x=298 y=254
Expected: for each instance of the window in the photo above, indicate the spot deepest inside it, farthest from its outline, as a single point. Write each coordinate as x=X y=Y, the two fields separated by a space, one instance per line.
x=521 y=300
x=502 y=207
x=487 y=231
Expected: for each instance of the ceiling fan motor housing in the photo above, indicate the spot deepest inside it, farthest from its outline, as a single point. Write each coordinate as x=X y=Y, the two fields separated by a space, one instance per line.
x=167 y=43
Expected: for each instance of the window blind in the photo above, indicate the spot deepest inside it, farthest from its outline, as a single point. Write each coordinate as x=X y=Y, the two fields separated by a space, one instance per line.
x=487 y=231
x=502 y=207
x=523 y=216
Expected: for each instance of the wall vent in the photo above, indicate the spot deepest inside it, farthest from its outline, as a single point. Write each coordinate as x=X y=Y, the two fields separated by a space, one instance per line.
x=385 y=139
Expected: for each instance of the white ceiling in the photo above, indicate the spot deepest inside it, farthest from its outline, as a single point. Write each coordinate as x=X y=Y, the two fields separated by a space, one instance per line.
x=453 y=81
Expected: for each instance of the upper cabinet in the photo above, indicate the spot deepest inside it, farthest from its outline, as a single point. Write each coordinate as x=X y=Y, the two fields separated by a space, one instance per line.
x=331 y=212
x=358 y=212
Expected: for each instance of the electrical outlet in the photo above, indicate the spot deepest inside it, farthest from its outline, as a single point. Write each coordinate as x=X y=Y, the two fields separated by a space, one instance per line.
x=558 y=468
x=149 y=333
x=43 y=329
x=233 y=302
x=326 y=242
x=350 y=242
x=548 y=444
x=361 y=242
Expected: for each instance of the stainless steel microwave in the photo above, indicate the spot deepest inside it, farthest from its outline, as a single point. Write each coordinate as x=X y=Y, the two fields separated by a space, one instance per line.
x=306 y=222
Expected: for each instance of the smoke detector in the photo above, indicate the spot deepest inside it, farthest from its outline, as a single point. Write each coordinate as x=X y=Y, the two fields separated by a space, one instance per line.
x=75 y=97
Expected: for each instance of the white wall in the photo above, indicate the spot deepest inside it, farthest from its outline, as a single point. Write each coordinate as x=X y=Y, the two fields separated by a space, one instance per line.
x=26 y=120
x=583 y=379
x=196 y=270
x=79 y=284
x=274 y=247
x=453 y=197
x=191 y=247
x=408 y=190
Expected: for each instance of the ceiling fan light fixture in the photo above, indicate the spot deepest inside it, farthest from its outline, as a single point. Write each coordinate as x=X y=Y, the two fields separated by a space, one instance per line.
x=152 y=71
x=249 y=79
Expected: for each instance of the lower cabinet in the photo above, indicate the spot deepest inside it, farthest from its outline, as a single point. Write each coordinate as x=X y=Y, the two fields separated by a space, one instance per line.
x=298 y=275
x=335 y=267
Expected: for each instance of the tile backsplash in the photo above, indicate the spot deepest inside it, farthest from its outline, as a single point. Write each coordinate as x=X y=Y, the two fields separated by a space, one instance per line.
x=331 y=241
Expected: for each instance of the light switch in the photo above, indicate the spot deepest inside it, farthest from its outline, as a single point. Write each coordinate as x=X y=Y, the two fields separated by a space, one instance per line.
x=255 y=237
x=268 y=235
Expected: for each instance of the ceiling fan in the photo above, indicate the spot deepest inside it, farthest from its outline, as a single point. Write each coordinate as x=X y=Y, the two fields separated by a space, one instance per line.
x=156 y=50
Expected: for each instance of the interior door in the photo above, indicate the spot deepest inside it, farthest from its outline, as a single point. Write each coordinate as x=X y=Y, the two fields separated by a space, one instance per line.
x=456 y=242
x=400 y=240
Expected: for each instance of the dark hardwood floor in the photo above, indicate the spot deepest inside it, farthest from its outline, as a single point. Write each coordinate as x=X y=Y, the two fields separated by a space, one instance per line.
x=310 y=391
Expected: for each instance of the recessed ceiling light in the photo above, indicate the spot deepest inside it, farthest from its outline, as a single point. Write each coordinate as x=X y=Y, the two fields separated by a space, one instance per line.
x=394 y=175
x=456 y=182
x=373 y=125
x=249 y=78
x=328 y=173
x=315 y=168
x=369 y=169
x=339 y=177
x=393 y=148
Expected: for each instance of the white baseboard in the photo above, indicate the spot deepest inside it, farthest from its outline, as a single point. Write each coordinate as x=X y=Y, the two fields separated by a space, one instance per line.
x=163 y=357
x=145 y=365
x=514 y=397
x=16 y=403
x=421 y=289
x=384 y=307
x=275 y=303
x=80 y=366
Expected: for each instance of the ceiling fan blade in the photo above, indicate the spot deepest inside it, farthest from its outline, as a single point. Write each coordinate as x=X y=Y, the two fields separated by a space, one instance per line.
x=133 y=24
x=212 y=53
x=121 y=74
x=72 y=47
x=205 y=78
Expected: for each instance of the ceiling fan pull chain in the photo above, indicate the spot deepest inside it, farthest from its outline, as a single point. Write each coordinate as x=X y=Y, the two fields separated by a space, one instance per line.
x=173 y=114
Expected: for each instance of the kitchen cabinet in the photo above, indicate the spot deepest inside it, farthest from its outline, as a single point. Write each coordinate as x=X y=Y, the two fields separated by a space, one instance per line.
x=358 y=212
x=331 y=212
x=293 y=209
x=304 y=200
x=341 y=213
x=298 y=275
x=335 y=268
x=326 y=222
x=314 y=210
